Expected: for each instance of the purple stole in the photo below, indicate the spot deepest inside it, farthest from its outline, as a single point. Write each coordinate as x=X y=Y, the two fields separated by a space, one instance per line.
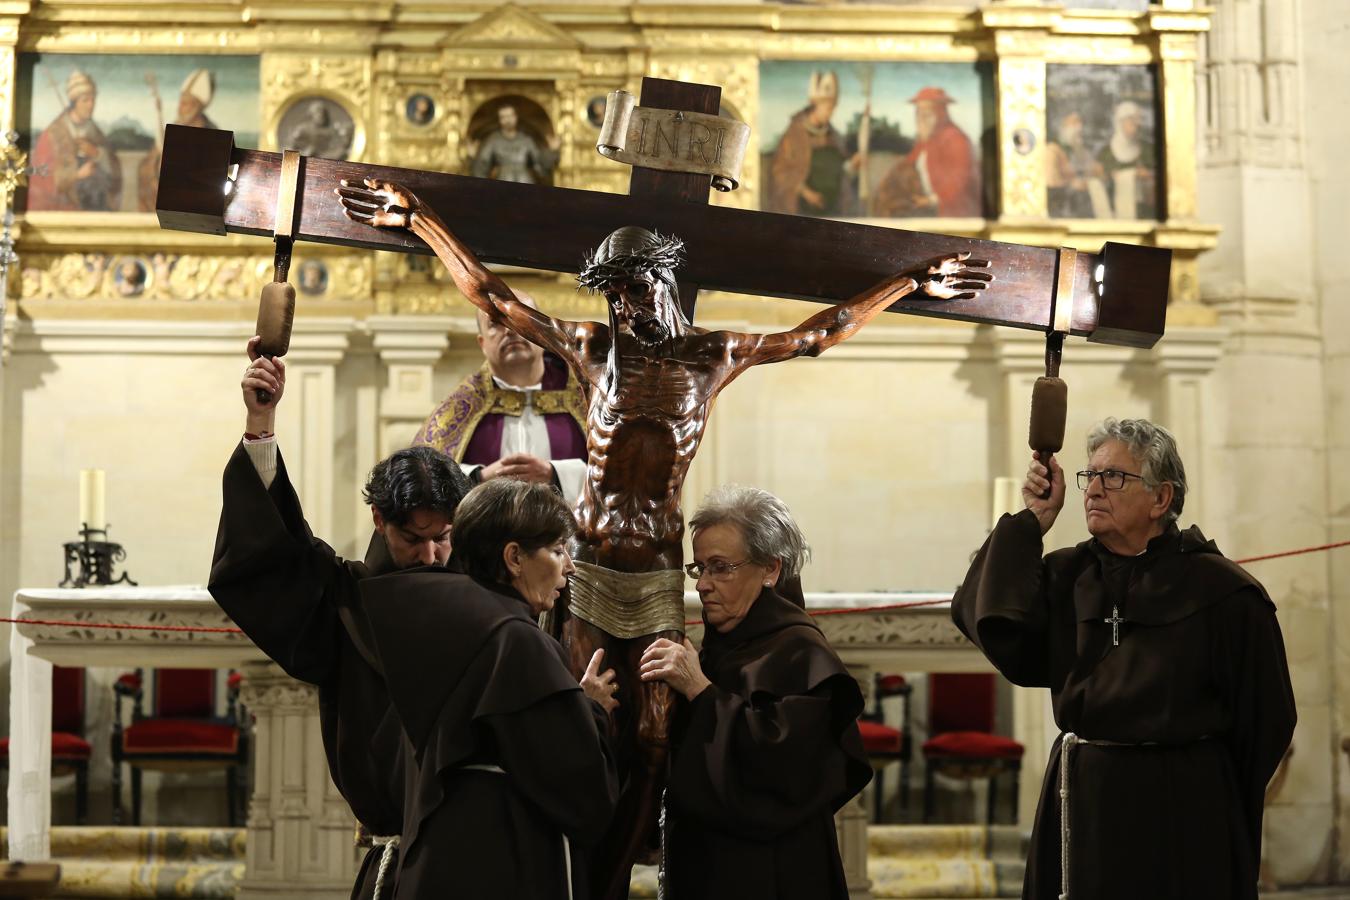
x=468 y=426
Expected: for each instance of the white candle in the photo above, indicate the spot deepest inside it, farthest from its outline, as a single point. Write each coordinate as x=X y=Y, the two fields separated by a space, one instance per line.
x=93 y=511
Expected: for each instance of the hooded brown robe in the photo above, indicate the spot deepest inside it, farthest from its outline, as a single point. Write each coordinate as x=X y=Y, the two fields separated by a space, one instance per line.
x=479 y=687
x=761 y=761
x=1196 y=698
x=290 y=593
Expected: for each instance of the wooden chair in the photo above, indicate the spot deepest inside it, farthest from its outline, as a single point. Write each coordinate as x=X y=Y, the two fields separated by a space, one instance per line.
x=961 y=741
x=182 y=733
x=70 y=751
x=884 y=744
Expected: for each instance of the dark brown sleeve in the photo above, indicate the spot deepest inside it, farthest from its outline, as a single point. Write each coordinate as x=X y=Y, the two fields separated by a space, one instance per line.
x=270 y=574
x=1003 y=605
x=761 y=769
x=1250 y=665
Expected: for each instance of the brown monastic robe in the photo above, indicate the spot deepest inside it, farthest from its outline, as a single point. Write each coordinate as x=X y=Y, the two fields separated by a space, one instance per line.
x=290 y=593
x=761 y=761
x=1196 y=696
x=479 y=686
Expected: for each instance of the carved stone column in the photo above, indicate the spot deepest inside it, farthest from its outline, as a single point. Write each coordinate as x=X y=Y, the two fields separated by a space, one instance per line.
x=409 y=348
x=305 y=417
x=1184 y=360
x=299 y=828
x=1262 y=279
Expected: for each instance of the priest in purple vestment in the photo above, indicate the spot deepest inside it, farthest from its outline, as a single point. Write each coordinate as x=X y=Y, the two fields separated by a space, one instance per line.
x=521 y=415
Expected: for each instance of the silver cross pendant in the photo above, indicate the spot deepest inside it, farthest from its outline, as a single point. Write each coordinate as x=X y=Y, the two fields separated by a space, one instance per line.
x=1114 y=622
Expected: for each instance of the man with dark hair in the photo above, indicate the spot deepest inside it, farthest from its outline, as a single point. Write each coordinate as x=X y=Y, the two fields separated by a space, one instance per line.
x=299 y=602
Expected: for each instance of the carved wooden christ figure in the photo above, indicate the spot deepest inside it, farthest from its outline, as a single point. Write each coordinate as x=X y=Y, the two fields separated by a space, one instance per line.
x=652 y=380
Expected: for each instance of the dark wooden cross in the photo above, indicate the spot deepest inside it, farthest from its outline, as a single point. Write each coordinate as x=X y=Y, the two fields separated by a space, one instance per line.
x=1118 y=296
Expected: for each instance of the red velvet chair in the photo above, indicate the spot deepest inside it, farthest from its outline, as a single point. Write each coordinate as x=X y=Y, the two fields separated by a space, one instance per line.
x=884 y=744
x=961 y=741
x=181 y=733
x=70 y=751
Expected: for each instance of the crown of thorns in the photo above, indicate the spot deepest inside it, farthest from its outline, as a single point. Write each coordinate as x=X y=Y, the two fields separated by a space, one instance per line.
x=665 y=253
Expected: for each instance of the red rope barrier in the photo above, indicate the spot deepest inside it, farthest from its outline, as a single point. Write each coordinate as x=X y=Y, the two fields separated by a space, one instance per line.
x=888 y=607
x=127 y=627
x=1252 y=559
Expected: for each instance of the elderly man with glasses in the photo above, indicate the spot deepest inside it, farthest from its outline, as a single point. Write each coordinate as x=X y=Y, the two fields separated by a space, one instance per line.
x=1166 y=670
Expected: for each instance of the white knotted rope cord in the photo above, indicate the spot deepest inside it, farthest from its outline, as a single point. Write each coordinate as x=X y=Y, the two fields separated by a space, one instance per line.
x=390 y=846
x=1065 y=746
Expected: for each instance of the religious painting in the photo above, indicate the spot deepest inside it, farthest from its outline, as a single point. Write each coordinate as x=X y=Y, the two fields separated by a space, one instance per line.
x=420 y=109
x=876 y=139
x=312 y=277
x=319 y=125
x=93 y=124
x=1102 y=156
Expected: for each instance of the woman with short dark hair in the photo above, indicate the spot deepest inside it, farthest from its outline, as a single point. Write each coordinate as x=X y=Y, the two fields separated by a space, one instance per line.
x=513 y=762
x=505 y=512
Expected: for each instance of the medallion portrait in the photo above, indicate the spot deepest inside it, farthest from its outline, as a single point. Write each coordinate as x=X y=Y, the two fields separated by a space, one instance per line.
x=130 y=277
x=316 y=125
x=420 y=109
x=312 y=277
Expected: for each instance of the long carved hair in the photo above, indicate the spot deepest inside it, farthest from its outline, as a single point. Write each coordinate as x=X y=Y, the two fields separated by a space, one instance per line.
x=628 y=252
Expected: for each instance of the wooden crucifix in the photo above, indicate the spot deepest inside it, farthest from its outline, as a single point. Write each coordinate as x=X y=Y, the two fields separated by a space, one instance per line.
x=652 y=374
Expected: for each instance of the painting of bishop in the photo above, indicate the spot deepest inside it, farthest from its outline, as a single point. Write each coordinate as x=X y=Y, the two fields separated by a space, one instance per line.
x=910 y=145
x=95 y=123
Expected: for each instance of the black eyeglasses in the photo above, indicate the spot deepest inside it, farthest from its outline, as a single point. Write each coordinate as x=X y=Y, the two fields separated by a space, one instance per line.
x=1112 y=479
x=717 y=570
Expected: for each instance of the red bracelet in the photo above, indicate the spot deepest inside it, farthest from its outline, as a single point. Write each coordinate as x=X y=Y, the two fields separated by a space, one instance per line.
x=250 y=436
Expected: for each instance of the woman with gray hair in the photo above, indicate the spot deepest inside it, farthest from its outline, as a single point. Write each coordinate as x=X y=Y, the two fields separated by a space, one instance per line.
x=1166 y=671
x=768 y=748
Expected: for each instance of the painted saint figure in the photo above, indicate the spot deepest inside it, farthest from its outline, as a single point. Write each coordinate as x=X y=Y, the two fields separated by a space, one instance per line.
x=1129 y=162
x=940 y=175
x=196 y=94
x=810 y=171
x=653 y=379
x=1074 y=179
x=509 y=154
x=75 y=168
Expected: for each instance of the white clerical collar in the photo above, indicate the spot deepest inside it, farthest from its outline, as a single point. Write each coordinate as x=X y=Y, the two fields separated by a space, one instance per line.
x=511 y=387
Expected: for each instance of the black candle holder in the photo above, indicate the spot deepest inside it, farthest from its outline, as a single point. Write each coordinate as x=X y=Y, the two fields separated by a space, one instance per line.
x=94 y=558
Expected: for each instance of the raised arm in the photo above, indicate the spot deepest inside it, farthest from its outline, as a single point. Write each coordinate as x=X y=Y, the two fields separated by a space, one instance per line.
x=948 y=278
x=384 y=204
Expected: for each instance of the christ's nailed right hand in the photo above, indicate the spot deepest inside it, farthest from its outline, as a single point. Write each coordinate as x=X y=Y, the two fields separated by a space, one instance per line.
x=382 y=204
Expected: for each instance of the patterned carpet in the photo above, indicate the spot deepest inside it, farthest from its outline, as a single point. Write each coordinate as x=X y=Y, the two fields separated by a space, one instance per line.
x=913 y=862
x=107 y=862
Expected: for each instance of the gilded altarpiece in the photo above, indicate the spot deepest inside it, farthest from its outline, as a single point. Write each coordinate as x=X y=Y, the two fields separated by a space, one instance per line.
x=402 y=85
